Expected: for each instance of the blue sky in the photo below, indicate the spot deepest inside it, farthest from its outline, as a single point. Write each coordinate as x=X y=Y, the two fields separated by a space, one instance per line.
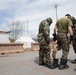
x=35 y=11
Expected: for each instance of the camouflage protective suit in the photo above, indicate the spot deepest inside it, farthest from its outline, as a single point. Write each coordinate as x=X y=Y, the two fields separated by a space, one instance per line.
x=74 y=32
x=74 y=36
x=44 y=40
x=74 y=39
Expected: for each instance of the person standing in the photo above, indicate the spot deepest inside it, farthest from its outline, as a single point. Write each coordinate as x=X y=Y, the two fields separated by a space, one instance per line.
x=73 y=42
x=44 y=40
x=74 y=36
x=63 y=26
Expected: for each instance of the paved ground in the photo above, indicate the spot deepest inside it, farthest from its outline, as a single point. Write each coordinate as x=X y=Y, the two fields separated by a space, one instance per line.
x=27 y=64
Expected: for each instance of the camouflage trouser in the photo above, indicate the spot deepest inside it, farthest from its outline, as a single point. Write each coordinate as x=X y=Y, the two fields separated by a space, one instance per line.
x=44 y=54
x=62 y=43
x=74 y=43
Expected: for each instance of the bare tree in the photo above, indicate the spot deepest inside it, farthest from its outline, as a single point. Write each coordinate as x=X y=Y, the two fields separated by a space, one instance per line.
x=16 y=27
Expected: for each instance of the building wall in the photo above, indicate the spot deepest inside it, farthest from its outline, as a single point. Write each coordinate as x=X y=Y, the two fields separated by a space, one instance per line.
x=4 y=38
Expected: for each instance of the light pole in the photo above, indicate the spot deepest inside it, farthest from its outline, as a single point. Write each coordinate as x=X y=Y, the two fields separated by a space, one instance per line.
x=27 y=28
x=56 y=5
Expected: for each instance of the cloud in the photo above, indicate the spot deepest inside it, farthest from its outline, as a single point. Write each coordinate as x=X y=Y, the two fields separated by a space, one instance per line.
x=35 y=11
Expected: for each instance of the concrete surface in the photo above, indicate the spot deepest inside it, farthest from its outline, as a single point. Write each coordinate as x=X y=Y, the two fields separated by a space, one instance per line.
x=27 y=64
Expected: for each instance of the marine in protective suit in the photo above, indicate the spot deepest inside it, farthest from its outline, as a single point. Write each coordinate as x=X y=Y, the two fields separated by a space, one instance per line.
x=74 y=36
x=44 y=40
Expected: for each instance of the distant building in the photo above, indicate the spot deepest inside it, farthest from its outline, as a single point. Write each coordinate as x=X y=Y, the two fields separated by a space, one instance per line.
x=4 y=32
x=4 y=36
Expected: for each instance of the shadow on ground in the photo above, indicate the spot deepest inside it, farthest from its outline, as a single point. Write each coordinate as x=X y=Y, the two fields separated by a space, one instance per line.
x=36 y=60
x=75 y=69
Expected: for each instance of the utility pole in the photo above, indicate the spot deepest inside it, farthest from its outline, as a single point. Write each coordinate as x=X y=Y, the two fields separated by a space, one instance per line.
x=56 y=5
x=27 y=28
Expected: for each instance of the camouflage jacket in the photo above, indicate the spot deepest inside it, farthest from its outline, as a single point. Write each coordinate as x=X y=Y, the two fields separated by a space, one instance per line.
x=44 y=32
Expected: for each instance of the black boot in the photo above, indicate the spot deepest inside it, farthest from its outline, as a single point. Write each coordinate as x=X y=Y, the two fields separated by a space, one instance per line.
x=63 y=64
x=55 y=64
x=43 y=63
x=74 y=61
x=49 y=66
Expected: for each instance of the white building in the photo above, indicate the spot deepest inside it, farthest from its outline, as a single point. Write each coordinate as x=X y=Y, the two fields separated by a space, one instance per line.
x=4 y=36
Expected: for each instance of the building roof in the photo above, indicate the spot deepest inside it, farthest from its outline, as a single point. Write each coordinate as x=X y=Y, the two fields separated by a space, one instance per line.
x=3 y=32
